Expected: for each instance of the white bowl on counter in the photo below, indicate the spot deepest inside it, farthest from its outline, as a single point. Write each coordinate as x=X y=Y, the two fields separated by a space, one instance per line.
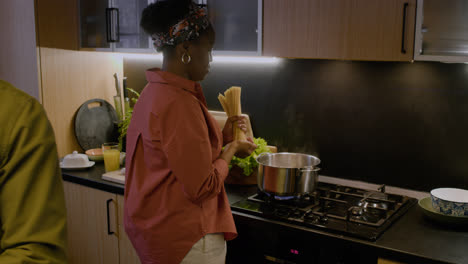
x=450 y=201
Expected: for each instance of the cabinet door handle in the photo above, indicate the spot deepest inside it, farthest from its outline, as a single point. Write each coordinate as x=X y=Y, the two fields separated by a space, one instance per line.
x=403 y=34
x=109 y=232
x=112 y=24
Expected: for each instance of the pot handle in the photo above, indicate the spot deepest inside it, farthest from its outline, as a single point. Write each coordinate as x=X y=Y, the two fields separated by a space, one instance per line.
x=262 y=154
x=310 y=168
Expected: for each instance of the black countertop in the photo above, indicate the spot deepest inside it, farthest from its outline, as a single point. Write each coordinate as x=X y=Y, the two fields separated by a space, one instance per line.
x=92 y=177
x=416 y=235
x=412 y=238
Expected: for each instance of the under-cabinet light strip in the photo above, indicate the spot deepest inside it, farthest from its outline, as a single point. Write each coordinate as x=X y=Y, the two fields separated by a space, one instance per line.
x=216 y=59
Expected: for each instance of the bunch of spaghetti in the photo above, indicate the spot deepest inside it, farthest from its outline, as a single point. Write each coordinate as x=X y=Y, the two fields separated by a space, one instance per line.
x=232 y=106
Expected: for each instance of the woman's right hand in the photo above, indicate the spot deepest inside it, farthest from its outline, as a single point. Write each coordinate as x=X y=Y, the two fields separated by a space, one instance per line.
x=228 y=135
x=244 y=148
x=240 y=148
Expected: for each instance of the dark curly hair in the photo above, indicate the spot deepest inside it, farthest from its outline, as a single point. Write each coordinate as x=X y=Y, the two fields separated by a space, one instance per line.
x=158 y=17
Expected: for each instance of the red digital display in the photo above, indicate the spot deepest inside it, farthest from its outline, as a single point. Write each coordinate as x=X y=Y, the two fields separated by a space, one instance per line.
x=294 y=251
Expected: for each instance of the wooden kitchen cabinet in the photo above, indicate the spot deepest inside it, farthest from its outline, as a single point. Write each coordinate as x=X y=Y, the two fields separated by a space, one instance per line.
x=95 y=227
x=379 y=30
x=83 y=25
x=91 y=225
x=57 y=24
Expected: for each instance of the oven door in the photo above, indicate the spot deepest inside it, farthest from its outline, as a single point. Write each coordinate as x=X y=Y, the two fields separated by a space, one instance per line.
x=264 y=241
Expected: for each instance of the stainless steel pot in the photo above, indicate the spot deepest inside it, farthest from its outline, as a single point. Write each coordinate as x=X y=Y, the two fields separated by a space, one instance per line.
x=287 y=174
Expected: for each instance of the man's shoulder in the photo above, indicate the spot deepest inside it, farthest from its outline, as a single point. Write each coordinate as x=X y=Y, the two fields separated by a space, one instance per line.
x=13 y=104
x=12 y=97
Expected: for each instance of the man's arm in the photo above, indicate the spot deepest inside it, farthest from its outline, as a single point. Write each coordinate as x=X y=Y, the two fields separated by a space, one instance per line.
x=32 y=205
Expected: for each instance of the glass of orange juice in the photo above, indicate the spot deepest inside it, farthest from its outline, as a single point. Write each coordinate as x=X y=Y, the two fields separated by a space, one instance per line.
x=111 y=154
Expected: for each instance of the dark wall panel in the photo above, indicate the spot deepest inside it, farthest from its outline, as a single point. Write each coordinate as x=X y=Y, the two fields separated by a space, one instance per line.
x=402 y=124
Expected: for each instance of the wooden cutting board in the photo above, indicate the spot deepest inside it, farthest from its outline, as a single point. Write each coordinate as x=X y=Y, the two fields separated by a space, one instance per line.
x=95 y=123
x=114 y=176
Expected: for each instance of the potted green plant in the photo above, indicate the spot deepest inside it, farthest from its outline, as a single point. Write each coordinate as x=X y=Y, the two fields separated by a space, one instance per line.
x=123 y=126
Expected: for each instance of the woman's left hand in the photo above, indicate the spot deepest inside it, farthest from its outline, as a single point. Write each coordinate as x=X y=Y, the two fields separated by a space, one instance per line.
x=228 y=133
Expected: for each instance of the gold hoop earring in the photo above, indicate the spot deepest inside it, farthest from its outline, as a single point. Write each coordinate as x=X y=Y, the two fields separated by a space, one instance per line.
x=186 y=58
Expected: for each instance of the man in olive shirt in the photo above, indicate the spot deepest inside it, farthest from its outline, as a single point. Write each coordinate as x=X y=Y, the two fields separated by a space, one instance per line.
x=32 y=205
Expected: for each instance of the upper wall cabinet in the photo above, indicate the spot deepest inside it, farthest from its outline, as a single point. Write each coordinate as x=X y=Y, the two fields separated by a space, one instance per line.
x=238 y=26
x=57 y=24
x=93 y=24
x=441 y=31
x=112 y=25
x=378 y=30
x=131 y=35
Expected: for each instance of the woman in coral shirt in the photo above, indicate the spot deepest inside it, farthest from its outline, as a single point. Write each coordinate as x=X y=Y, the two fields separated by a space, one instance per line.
x=176 y=208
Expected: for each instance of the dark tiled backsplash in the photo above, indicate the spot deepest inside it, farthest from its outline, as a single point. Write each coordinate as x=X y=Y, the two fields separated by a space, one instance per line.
x=402 y=124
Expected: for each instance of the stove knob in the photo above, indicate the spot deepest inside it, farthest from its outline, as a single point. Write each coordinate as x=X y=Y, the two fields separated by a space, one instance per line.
x=316 y=220
x=311 y=218
x=323 y=219
x=297 y=214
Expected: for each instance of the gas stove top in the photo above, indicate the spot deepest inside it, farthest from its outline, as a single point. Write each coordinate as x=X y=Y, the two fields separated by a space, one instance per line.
x=334 y=208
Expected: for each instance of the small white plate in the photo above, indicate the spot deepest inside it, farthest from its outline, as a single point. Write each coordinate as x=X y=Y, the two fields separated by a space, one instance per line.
x=90 y=164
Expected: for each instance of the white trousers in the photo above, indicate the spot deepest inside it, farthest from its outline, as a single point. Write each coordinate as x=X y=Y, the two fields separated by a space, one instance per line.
x=210 y=249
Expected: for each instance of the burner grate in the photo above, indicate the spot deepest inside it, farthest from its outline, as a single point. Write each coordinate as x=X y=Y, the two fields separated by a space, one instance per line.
x=344 y=209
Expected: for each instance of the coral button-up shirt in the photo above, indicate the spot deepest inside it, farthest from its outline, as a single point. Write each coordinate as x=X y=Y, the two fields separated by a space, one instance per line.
x=174 y=190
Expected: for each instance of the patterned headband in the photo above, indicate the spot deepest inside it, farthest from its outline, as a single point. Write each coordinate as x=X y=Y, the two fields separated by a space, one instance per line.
x=187 y=29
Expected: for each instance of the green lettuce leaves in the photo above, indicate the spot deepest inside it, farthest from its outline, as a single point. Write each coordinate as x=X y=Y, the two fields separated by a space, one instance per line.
x=249 y=164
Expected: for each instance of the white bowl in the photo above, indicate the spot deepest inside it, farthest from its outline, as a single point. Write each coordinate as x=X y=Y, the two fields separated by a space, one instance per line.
x=75 y=160
x=450 y=201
